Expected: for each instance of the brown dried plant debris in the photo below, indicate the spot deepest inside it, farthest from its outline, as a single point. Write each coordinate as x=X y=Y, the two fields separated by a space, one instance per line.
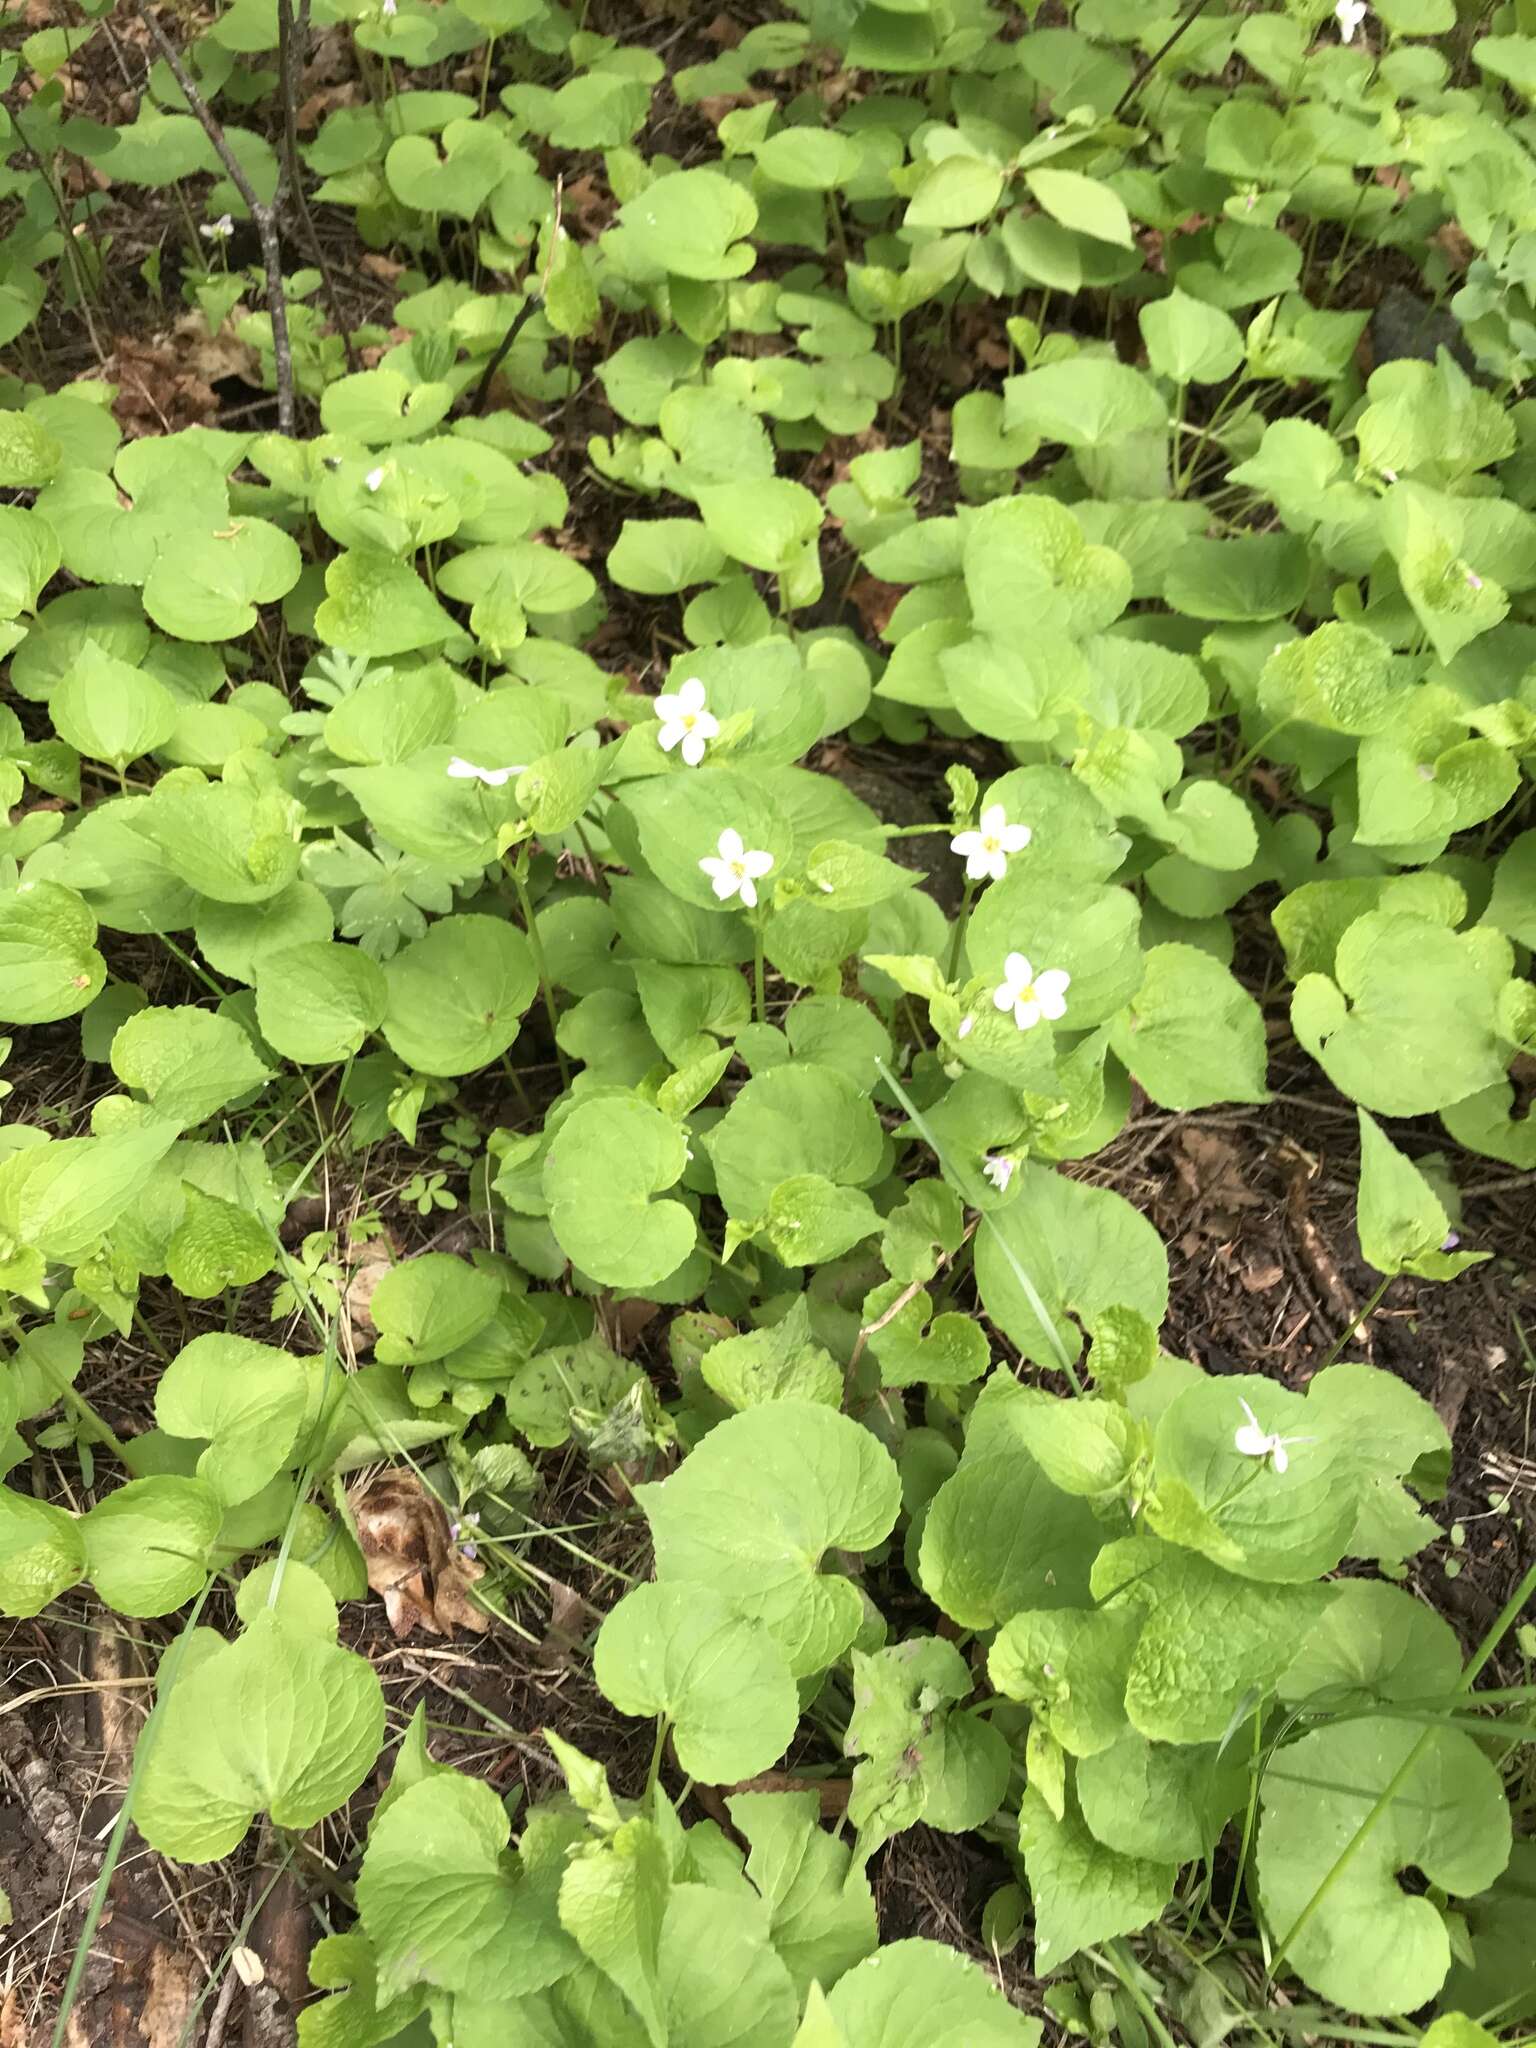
x=412 y=1558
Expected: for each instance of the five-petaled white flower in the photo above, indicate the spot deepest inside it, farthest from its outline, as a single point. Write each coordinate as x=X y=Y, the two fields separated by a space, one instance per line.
x=1349 y=14
x=373 y=479
x=999 y=1169
x=684 y=717
x=218 y=230
x=1256 y=1442
x=493 y=778
x=1031 y=996
x=735 y=870
x=986 y=849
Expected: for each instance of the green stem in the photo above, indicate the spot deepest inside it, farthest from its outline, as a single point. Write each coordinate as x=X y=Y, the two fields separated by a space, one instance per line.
x=100 y=1429
x=657 y=1747
x=531 y=927
x=758 y=995
x=917 y=831
x=962 y=923
x=1257 y=748
x=1356 y=1327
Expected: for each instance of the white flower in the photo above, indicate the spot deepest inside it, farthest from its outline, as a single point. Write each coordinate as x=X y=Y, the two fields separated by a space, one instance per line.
x=734 y=871
x=683 y=717
x=1031 y=996
x=1390 y=475
x=986 y=850
x=1474 y=580
x=1255 y=1442
x=1000 y=1169
x=373 y=479
x=967 y=1026
x=493 y=778
x=218 y=230
x=387 y=9
x=1348 y=14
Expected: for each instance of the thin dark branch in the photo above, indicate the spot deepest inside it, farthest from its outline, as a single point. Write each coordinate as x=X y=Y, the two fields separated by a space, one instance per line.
x=520 y=319
x=525 y=311
x=1148 y=65
x=292 y=40
x=262 y=214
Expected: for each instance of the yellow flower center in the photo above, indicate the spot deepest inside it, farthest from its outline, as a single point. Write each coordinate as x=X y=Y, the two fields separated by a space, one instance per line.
x=690 y=720
x=990 y=843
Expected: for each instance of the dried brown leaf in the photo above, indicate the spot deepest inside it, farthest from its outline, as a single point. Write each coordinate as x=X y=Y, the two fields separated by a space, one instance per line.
x=413 y=1563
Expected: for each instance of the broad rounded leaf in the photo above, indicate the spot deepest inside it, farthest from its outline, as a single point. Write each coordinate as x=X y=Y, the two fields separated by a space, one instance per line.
x=1377 y=1949
x=445 y=1902
x=722 y=1682
x=756 y=1505
x=281 y=1721
x=319 y=1002
x=247 y=1400
x=147 y=1544
x=605 y=1164
x=457 y=994
x=1084 y=1249
x=49 y=966
x=187 y=1062
x=428 y=1306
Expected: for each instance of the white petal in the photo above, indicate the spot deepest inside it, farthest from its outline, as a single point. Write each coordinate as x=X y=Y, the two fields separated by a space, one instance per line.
x=706 y=725
x=994 y=821
x=670 y=734
x=748 y=892
x=1015 y=838
x=1002 y=995
x=1018 y=969
x=462 y=770
x=691 y=695
x=725 y=885
x=1026 y=1015
x=668 y=708
x=732 y=847
x=1251 y=1440
x=757 y=862
x=977 y=866
x=965 y=844
x=1249 y=1413
x=711 y=866
x=693 y=748
x=994 y=865
x=494 y=778
x=1278 y=1454
x=1054 y=982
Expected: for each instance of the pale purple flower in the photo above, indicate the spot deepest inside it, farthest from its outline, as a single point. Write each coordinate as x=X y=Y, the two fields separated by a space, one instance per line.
x=999 y=1169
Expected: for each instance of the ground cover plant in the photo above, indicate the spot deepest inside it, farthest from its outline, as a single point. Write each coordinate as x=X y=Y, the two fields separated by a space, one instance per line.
x=502 y=1042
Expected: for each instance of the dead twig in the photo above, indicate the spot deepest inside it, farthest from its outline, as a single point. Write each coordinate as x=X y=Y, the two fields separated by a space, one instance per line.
x=525 y=311
x=291 y=39
x=263 y=215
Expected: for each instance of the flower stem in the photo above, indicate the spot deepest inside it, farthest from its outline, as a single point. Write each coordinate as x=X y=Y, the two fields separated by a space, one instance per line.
x=962 y=923
x=651 y=1776
x=758 y=996
x=95 y=1426
x=1356 y=1326
x=531 y=927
